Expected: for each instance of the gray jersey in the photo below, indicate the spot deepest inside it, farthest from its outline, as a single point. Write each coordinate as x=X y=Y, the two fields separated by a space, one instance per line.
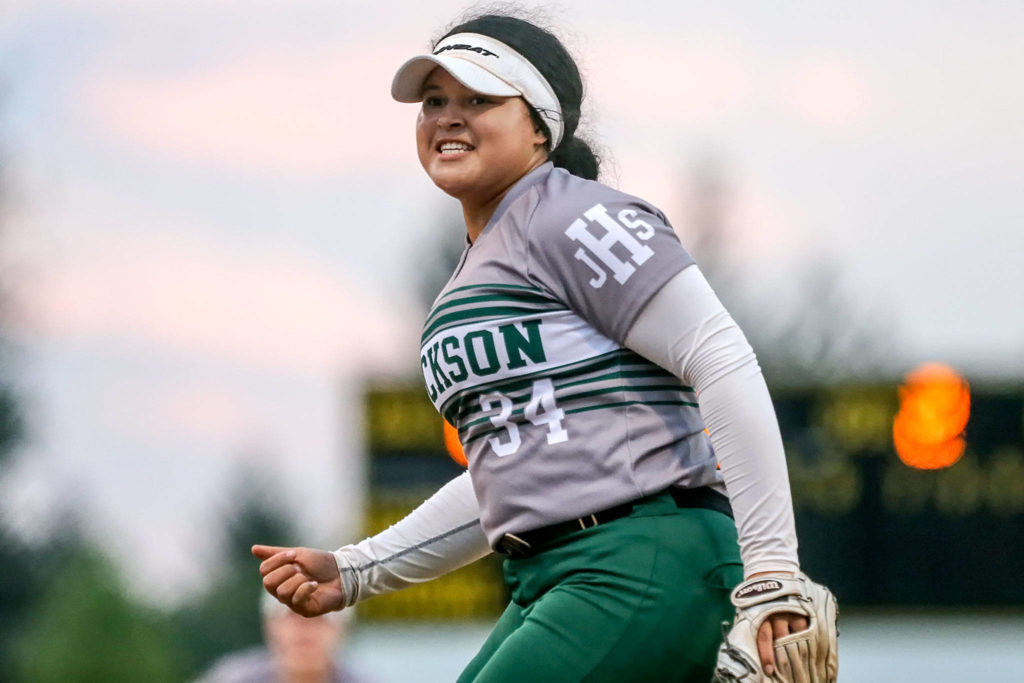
x=522 y=352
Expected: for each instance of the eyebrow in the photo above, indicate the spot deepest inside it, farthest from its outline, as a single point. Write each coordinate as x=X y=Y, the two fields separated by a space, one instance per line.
x=431 y=86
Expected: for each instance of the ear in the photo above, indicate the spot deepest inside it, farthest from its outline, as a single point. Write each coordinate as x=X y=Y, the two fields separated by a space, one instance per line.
x=539 y=138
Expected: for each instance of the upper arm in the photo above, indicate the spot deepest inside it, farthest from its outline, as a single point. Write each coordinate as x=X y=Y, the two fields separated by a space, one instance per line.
x=685 y=329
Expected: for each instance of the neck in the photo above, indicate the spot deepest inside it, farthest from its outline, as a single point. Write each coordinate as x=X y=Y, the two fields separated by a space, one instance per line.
x=318 y=675
x=477 y=215
x=477 y=211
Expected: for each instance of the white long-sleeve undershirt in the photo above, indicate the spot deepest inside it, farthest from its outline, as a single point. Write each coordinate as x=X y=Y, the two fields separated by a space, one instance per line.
x=686 y=330
x=438 y=537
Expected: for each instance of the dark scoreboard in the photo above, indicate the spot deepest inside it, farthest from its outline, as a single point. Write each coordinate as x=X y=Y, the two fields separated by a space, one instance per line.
x=881 y=533
x=874 y=530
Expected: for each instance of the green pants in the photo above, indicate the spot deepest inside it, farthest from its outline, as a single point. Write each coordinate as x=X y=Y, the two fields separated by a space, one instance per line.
x=640 y=598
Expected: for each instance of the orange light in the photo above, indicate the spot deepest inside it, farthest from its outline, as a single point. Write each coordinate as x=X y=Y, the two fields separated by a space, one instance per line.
x=452 y=443
x=935 y=406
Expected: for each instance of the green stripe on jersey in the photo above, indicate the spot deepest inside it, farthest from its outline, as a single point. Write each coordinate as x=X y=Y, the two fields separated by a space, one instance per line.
x=571 y=411
x=624 y=364
x=525 y=382
x=652 y=373
x=619 y=404
x=566 y=401
x=480 y=314
x=519 y=299
x=494 y=285
x=625 y=388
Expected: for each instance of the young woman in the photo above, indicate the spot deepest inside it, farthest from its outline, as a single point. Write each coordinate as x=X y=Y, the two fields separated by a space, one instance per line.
x=569 y=349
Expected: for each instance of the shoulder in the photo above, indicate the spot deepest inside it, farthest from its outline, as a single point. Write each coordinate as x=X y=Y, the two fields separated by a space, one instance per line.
x=561 y=199
x=239 y=667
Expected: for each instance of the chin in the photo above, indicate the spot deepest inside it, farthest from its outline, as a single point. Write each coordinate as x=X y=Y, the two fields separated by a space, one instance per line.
x=454 y=184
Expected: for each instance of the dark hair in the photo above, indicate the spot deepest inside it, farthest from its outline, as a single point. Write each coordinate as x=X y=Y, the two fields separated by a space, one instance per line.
x=546 y=52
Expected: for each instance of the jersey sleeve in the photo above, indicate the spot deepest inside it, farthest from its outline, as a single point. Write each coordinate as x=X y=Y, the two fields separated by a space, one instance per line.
x=602 y=252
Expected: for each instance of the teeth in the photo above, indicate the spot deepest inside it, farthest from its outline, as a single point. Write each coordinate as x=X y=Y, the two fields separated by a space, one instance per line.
x=448 y=147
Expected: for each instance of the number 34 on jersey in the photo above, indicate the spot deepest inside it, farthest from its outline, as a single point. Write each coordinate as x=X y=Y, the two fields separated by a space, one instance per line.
x=541 y=411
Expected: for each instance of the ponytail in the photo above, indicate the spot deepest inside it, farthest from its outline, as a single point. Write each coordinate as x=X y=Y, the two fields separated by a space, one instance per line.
x=576 y=157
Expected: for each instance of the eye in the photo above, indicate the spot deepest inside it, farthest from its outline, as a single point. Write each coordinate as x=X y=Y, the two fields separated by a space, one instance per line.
x=478 y=100
x=433 y=101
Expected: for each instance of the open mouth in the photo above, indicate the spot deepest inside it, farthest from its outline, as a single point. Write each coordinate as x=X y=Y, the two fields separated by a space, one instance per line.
x=451 y=148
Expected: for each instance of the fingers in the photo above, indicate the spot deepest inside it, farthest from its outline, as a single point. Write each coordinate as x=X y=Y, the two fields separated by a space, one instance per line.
x=304 y=592
x=301 y=578
x=780 y=625
x=765 y=647
x=774 y=627
x=292 y=587
x=286 y=589
x=276 y=561
x=273 y=580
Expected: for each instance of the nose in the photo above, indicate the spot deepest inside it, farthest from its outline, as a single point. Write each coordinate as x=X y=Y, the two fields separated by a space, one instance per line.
x=451 y=118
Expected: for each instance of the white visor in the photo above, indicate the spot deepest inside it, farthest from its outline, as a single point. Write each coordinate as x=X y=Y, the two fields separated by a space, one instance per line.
x=486 y=66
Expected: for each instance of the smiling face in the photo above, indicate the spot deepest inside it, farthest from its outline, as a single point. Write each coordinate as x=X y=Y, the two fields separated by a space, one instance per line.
x=473 y=146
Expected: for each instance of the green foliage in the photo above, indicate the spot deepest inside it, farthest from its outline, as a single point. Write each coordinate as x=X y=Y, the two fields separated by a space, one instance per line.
x=10 y=421
x=84 y=628
x=438 y=256
x=17 y=581
x=65 y=616
x=225 y=617
x=19 y=585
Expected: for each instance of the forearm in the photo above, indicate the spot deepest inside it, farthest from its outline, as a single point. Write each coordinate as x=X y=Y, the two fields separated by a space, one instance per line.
x=686 y=330
x=438 y=537
x=749 y=449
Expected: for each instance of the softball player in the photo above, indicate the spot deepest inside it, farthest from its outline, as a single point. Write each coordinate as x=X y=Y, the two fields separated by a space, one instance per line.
x=569 y=349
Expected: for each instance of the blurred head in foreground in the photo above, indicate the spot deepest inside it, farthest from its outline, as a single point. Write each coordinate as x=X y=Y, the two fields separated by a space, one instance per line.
x=303 y=648
x=298 y=650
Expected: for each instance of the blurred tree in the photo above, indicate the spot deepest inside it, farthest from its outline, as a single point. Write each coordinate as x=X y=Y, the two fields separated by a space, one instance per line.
x=17 y=586
x=225 y=616
x=85 y=628
x=21 y=582
x=10 y=419
x=436 y=261
x=29 y=572
x=805 y=331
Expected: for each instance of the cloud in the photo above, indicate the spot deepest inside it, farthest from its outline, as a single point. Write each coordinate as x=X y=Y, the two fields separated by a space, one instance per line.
x=278 y=310
x=830 y=95
x=761 y=226
x=656 y=81
x=305 y=113
x=199 y=407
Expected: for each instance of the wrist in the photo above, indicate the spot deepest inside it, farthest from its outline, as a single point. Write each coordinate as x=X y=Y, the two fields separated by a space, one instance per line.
x=771 y=573
x=775 y=567
x=349 y=577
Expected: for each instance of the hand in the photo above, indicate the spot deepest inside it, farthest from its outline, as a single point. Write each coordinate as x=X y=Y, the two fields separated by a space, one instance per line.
x=785 y=630
x=304 y=579
x=776 y=626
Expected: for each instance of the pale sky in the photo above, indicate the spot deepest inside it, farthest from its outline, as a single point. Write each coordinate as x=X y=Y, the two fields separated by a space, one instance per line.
x=218 y=206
